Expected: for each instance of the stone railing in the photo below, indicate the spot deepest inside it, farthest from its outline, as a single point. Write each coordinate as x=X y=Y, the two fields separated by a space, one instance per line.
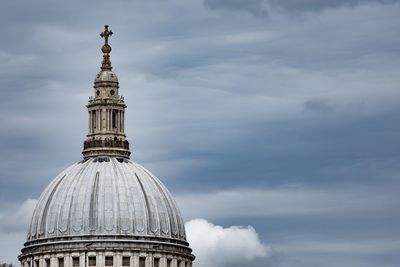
x=106 y=143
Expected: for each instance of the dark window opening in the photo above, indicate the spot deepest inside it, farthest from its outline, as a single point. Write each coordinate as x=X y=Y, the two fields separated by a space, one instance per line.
x=169 y=262
x=114 y=119
x=94 y=119
x=98 y=92
x=47 y=262
x=126 y=261
x=109 y=260
x=60 y=262
x=112 y=92
x=142 y=262
x=92 y=260
x=75 y=261
x=156 y=262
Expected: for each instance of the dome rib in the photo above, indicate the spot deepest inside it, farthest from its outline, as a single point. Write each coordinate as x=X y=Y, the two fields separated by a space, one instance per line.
x=94 y=199
x=124 y=220
x=43 y=223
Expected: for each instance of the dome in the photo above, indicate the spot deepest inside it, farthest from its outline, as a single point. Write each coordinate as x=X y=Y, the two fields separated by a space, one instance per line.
x=106 y=76
x=106 y=196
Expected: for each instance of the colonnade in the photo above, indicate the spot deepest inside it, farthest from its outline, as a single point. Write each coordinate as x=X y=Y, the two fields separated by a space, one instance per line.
x=106 y=120
x=104 y=258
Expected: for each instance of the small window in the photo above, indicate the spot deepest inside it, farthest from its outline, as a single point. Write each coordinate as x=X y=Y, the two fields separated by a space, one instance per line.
x=60 y=262
x=47 y=262
x=109 y=260
x=126 y=261
x=98 y=92
x=156 y=262
x=75 y=261
x=112 y=92
x=142 y=262
x=92 y=260
x=169 y=262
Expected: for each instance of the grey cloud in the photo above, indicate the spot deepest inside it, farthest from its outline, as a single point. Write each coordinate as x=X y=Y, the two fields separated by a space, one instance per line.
x=318 y=105
x=317 y=5
x=263 y=7
x=216 y=102
x=256 y=7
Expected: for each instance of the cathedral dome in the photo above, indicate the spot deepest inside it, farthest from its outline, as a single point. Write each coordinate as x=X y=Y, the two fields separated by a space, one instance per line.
x=106 y=210
x=106 y=197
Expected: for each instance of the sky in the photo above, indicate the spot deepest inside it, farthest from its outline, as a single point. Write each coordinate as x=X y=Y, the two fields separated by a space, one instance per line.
x=274 y=123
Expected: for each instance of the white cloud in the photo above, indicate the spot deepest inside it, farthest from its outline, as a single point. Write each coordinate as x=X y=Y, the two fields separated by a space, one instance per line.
x=14 y=222
x=216 y=246
x=17 y=218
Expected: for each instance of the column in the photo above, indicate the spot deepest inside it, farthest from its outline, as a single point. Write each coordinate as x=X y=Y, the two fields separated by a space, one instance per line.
x=107 y=118
x=68 y=260
x=101 y=119
x=123 y=121
x=53 y=260
x=174 y=262
x=92 y=122
x=100 y=259
x=117 y=259
x=98 y=120
x=82 y=259
x=149 y=260
x=117 y=115
x=163 y=261
x=135 y=260
x=120 y=120
x=89 y=122
x=111 y=120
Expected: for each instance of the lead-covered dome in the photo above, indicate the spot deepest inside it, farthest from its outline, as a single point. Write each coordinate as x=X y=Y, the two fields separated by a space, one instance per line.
x=106 y=76
x=106 y=196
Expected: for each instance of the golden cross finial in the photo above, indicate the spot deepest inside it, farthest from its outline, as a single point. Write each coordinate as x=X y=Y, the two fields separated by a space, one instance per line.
x=105 y=34
x=106 y=48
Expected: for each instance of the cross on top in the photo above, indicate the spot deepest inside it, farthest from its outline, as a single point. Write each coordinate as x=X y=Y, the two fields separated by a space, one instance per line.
x=105 y=34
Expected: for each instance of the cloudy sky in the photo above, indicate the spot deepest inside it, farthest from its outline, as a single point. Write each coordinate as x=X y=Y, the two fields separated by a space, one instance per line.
x=275 y=123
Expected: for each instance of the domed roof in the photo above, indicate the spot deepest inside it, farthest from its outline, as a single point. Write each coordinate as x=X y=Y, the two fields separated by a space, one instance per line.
x=106 y=76
x=106 y=196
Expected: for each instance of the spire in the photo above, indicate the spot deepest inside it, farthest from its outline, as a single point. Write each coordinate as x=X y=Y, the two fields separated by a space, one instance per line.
x=106 y=49
x=106 y=135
